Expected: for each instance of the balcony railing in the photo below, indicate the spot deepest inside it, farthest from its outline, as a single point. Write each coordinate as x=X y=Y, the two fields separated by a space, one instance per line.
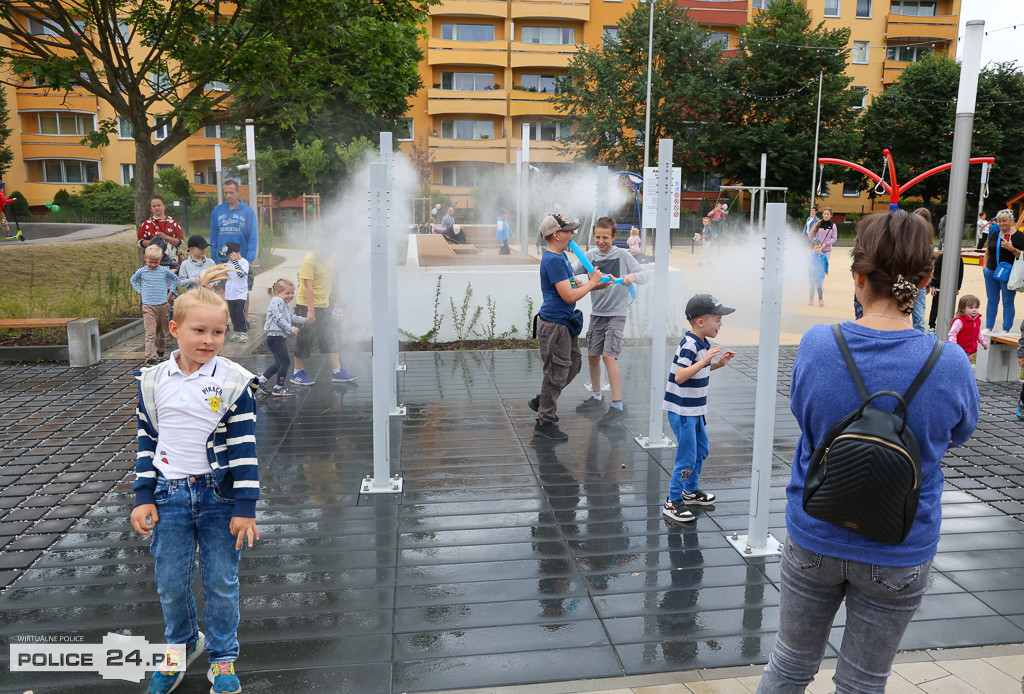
x=531 y=104
x=901 y=26
x=448 y=52
x=545 y=9
x=493 y=102
x=444 y=149
x=716 y=12
x=541 y=55
x=545 y=151
x=471 y=8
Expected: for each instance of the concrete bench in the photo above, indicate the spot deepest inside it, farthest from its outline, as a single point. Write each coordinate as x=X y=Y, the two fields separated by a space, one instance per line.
x=83 y=335
x=999 y=362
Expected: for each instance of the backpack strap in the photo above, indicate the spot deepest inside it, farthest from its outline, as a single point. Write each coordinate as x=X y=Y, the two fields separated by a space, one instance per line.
x=923 y=373
x=845 y=349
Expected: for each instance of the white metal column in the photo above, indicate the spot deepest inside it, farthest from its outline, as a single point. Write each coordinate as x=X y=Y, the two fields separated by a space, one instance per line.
x=391 y=232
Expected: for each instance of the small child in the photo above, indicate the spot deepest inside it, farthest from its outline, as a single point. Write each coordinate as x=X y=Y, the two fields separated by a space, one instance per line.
x=192 y=267
x=280 y=322
x=817 y=268
x=154 y=282
x=707 y=235
x=966 y=327
x=4 y=202
x=634 y=241
x=686 y=399
x=236 y=289
x=196 y=486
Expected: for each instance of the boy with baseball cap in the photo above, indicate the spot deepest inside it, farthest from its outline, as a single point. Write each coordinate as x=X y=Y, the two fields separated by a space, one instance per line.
x=686 y=400
x=192 y=267
x=558 y=324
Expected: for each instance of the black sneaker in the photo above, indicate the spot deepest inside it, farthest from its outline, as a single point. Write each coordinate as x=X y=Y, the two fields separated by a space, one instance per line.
x=160 y=355
x=535 y=405
x=591 y=404
x=549 y=430
x=676 y=511
x=699 y=498
x=612 y=416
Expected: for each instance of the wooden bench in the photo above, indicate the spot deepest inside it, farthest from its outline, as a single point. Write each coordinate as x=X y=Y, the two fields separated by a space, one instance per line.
x=998 y=363
x=25 y=323
x=83 y=335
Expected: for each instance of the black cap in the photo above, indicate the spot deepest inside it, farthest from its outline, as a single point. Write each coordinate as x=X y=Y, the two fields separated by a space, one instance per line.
x=703 y=304
x=197 y=241
x=230 y=247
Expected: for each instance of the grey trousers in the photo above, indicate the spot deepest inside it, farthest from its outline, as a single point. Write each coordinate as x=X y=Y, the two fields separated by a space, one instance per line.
x=560 y=353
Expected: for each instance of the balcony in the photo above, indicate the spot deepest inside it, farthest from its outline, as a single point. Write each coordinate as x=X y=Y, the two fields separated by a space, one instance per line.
x=445 y=149
x=899 y=26
x=42 y=99
x=541 y=9
x=544 y=152
x=448 y=52
x=471 y=8
x=490 y=103
x=719 y=13
x=891 y=71
x=541 y=55
x=531 y=104
x=33 y=148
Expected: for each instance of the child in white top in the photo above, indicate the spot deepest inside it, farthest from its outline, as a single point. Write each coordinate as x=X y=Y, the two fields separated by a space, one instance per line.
x=236 y=290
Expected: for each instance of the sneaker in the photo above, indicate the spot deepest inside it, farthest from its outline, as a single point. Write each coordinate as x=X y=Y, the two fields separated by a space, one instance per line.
x=234 y=337
x=699 y=498
x=1020 y=410
x=169 y=676
x=342 y=376
x=676 y=510
x=535 y=405
x=810 y=302
x=222 y=677
x=549 y=430
x=821 y=303
x=591 y=404
x=152 y=362
x=282 y=392
x=266 y=388
x=160 y=355
x=986 y=332
x=613 y=415
x=300 y=378
x=243 y=337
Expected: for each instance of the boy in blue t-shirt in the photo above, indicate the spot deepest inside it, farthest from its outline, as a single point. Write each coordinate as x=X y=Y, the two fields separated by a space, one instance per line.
x=558 y=326
x=686 y=400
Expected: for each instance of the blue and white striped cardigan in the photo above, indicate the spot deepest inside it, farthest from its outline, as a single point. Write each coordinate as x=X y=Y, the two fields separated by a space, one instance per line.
x=230 y=450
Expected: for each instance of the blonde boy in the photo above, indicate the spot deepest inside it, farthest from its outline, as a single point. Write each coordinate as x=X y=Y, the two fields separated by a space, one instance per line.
x=154 y=282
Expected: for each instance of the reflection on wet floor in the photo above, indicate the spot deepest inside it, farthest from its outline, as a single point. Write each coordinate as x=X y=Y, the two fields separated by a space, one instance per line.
x=506 y=560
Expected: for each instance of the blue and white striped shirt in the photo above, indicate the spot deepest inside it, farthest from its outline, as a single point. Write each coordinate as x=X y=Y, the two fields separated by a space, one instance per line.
x=691 y=398
x=153 y=284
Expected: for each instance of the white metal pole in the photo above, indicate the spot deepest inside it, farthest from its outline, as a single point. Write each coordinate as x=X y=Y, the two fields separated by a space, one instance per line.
x=758 y=541
x=601 y=201
x=219 y=167
x=982 y=194
x=764 y=193
x=970 y=66
x=391 y=232
x=817 y=130
x=524 y=243
x=382 y=365
x=647 y=114
x=525 y=149
x=250 y=154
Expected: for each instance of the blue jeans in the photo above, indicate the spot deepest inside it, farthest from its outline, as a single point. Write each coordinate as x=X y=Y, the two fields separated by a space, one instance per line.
x=993 y=288
x=278 y=346
x=193 y=515
x=918 y=312
x=691 y=450
x=880 y=602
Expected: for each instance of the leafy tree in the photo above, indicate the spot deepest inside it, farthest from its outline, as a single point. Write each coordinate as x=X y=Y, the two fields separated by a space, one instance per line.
x=182 y=65
x=776 y=83
x=6 y=155
x=915 y=119
x=605 y=93
x=173 y=183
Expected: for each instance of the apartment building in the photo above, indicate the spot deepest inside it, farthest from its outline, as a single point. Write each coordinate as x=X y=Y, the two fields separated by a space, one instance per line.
x=490 y=66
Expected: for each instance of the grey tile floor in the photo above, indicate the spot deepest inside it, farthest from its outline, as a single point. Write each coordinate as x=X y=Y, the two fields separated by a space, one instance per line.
x=504 y=562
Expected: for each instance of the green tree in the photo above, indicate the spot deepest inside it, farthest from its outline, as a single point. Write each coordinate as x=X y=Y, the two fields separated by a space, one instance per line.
x=6 y=155
x=605 y=93
x=175 y=66
x=173 y=183
x=775 y=78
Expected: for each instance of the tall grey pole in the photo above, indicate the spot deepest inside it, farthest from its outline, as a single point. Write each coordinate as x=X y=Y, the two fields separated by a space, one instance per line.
x=982 y=194
x=390 y=232
x=647 y=112
x=219 y=168
x=381 y=363
x=764 y=193
x=524 y=242
x=758 y=542
x=601 y=201
x=970 y=66
x=525 y=151
x=817 y=130
x=659 y=293
x=250 y=154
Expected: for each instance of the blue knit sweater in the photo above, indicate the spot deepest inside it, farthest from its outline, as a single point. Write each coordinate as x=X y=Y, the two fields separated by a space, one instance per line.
x=942 y=414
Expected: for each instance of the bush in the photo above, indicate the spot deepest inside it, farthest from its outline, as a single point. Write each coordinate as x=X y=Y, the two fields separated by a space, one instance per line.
x=113 y=203
x=19 y=206
x=173 y=184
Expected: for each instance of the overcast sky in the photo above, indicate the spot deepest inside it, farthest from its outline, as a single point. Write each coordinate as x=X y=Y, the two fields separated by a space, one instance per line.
x=1000 y=46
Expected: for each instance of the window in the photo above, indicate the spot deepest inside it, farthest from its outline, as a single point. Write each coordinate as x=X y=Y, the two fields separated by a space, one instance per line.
x=219 y=132
x=611 y=35
x=467 y=32
x=861 y=51
x=907 y=54
x=404 y=129
x=467 y=81
x=549 y=131
x=851 y=186
x=458 y=176
x=549 y=36
x=122 y=29
x=127 y=174
x=124 y=129
x=211 y=175
x=41 y=27
x=163 y=125
x=915 y=8
x=760 y=4
x=719 y=37
x=161 y=167
x=467 y=129
x=217 y=86
x=858 y=97
x=539 y=83
x=864 y=9
x=831 y=8
x=159 y=81
x=65 y=171
x=64 y=124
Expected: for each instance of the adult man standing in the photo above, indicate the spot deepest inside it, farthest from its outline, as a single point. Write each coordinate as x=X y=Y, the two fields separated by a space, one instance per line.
x=233 y=221
x=449 y=232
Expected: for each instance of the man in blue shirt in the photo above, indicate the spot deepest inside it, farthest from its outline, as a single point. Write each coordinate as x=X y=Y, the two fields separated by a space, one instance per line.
x=234 y=221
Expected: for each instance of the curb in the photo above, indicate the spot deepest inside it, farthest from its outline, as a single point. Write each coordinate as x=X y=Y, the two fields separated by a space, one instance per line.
x=39 y=353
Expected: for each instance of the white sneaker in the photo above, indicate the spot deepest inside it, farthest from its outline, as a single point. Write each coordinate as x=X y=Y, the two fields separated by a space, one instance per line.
x=986 y=332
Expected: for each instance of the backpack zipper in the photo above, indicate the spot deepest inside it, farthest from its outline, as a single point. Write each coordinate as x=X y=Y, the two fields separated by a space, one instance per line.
x=887 y=444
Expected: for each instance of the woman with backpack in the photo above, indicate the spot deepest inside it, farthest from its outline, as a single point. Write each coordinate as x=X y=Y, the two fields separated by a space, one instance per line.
x=824 y=563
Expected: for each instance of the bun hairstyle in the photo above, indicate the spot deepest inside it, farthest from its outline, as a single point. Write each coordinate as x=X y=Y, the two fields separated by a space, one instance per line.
x=279 y=286
x=201 y=295
x=895 y=253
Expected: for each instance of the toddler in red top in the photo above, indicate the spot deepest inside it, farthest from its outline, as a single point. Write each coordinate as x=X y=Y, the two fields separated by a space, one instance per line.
x=966 y=327
x=4 y=202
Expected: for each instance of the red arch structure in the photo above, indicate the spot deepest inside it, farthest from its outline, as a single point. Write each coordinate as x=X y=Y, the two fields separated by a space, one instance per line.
x=892 y=187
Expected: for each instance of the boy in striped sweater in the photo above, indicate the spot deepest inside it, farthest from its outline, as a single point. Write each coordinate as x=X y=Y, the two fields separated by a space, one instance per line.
x=686 y=400
x=154 y=282
x=196 y=486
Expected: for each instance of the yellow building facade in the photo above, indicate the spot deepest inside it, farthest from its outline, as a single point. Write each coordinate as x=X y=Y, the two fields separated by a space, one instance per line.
x=490 y=67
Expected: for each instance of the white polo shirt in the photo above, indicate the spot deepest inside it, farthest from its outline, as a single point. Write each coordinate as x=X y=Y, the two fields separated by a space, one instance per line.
x=188 y=409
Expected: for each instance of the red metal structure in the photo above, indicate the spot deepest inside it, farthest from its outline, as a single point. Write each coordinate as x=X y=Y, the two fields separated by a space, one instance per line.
x=892 y=187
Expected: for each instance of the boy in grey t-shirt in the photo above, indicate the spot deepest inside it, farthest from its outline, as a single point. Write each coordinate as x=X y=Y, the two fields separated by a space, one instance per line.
x=608 y=318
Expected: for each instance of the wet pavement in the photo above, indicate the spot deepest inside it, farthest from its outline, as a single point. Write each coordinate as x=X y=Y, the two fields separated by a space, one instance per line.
x=505 y=561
